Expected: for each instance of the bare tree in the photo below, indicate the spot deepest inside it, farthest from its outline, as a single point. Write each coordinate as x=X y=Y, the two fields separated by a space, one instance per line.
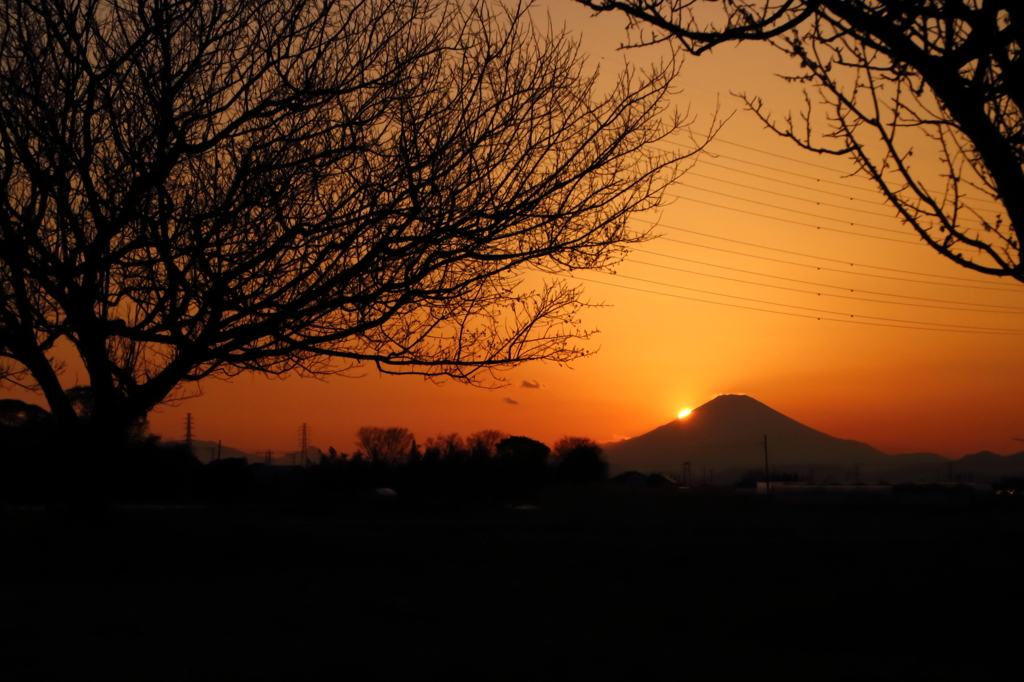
x=198 y=188
x=578 y=460
x=569 y=444
x=484 y=443
x=902 y=83
x=446 y=444
x=390 y=445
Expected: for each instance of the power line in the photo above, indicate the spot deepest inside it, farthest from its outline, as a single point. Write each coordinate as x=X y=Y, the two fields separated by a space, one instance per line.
x=761 y=151
x=883 y=202
x=796 y=198
x=847 y=272
x=829 y=286
x=793 y=210
x=775 y=169
x=818 y=310
x=795 y=184
x=690 y=173
x=1011 y=311
x=783 y=312
x=797 y=222
x=794 y=160
x=807 y=255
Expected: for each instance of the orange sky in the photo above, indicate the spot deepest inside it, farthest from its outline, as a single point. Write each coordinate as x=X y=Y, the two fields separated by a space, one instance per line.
x=900 y=390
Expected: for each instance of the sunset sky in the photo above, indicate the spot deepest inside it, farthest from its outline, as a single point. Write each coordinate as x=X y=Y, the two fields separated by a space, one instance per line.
x=702 y=311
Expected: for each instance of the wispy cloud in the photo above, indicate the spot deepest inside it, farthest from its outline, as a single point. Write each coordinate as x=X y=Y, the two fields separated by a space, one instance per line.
x=531 y=384
x=510 y=401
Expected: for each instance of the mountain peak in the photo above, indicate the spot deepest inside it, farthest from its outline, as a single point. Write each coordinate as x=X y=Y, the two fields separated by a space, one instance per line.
x=733 y=401
x=728 y=432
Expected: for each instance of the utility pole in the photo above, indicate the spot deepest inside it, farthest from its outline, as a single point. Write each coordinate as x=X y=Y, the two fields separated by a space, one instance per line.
x=188 y=432
x=686 y=475
x=767 y=471
x=218 y=449
x=267 y=460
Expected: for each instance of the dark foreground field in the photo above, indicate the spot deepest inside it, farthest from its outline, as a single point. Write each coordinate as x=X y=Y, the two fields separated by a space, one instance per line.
x=595 y=584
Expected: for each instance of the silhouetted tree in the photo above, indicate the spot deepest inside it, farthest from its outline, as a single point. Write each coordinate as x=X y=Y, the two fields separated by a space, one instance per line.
x=414 y=455
x=484 y=444
x=522 y=462
x=204 y=187
x=579 y=460
x=387 y=446
x=448 y=445
x=896 y=78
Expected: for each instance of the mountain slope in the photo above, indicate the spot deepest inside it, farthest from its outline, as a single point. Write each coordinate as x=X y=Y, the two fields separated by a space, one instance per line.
x=727 y=434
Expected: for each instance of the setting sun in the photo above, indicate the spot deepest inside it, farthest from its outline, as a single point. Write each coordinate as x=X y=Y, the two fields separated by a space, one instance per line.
x=684 y=413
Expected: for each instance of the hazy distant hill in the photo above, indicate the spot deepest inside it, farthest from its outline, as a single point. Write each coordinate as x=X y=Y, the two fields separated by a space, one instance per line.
x=990 y=462
x=727 y=435
x=206 y=451
x=924 y=467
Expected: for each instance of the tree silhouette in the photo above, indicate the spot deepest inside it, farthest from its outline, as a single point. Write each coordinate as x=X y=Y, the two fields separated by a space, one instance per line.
x=900 y=81
x=199 y=188
x=387 y=446
x=448 y=445
x=578 y=460
x=484 y=444
x=522 y=463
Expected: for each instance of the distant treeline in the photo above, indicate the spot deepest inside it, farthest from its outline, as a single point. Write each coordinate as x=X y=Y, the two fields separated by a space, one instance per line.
x=41 y=466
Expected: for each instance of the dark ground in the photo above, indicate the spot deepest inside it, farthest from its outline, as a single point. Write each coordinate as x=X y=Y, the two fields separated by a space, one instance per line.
x=595 y=584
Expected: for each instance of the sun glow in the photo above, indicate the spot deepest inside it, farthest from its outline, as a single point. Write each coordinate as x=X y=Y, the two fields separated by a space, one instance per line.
x=683 y=414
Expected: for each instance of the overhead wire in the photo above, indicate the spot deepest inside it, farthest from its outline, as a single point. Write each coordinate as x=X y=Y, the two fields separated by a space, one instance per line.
x=818 y=310
x=821 y=258
x=795 y=184
x=789 y=158
x=883 y=201
x=1010 y=310
x=909 y=301
x=828 y=269
x=798 y=222
x=837 y=316
x=775 y=169
x=790 y=314
x=796 y=198
x=793 y=210
x=793 y=160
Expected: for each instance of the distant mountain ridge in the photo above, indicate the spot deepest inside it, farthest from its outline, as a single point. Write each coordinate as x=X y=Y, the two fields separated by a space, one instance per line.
x=726 y=436
x=206 y=451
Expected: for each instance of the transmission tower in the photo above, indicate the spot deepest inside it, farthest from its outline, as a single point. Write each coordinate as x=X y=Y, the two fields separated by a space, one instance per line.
x=300 y=457
x=188 y=432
